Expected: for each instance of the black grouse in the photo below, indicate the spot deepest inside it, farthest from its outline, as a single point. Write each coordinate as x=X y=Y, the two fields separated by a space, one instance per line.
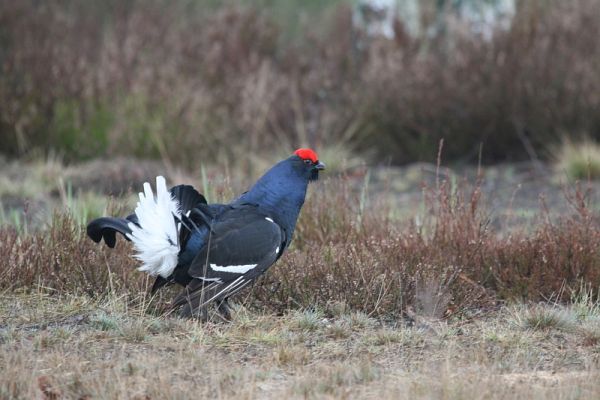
x=213 y=250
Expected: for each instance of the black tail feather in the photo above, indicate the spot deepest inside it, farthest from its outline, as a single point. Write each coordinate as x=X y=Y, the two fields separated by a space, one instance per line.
x=107 y=227
x=187 y=197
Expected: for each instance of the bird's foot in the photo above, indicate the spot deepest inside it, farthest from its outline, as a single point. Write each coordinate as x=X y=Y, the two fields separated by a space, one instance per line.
x=224 y=310
x=199 y=313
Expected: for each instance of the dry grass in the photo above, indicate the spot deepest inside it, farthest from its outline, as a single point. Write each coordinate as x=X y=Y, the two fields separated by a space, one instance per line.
x=77 y=348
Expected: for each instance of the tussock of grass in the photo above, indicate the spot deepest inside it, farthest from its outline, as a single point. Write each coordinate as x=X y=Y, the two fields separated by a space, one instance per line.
x=339 y=330
x=579 y=159
x=590 y=332
x=308 y=320
x=586 y=303
x=403 y=336
x=359 y=320
x=544 y=317
x=285 y=355
x=105 y=322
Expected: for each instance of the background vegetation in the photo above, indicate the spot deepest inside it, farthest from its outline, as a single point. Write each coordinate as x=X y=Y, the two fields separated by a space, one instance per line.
x=195 y=81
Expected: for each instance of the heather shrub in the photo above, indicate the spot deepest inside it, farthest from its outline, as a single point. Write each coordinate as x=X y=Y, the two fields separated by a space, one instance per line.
x=61 y=259
x=350 y=251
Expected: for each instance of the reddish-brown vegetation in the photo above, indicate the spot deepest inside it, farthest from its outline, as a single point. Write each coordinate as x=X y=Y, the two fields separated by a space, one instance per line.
x=352 y=253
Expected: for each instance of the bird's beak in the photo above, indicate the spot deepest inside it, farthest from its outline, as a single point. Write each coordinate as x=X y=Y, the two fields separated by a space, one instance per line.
x=320 y=166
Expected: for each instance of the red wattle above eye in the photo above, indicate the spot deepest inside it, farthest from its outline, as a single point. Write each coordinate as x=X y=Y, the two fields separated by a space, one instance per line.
x=307 y=154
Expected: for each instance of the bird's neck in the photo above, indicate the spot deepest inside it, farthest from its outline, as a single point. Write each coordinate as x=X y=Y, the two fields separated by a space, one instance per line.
x=280 y=192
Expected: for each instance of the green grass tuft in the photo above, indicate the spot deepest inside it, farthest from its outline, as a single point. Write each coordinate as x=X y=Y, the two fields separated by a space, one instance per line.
x=544 y=317
x=579 y=159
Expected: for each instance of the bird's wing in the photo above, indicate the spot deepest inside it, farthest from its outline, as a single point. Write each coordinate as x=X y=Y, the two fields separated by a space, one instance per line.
x=243 y=243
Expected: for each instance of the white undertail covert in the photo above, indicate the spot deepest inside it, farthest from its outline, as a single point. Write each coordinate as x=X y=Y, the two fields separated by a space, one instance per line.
x=156 y=238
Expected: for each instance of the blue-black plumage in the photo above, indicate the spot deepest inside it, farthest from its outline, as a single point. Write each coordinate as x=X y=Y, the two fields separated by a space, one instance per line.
x=221 y=248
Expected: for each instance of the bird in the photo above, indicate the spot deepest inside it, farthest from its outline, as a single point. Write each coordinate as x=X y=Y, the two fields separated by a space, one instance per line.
x=213 y=250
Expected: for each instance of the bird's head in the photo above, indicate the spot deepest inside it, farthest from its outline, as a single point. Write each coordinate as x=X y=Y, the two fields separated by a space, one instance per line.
x=282 y=189
x=307 y=163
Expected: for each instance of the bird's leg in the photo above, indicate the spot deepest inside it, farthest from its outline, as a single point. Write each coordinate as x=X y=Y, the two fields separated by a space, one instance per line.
x=224 y=309
x=201 y=313
x=192 y=309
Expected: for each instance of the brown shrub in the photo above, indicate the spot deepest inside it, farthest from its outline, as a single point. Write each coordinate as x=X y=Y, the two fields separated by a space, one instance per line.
x=348 y=251
x=200 y=84
x=514 y=92
x=62 y=259
x=450 y=263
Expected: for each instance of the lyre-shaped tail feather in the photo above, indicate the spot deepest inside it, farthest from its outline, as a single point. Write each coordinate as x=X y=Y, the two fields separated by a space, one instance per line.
x=155 y=237
x=106 y=228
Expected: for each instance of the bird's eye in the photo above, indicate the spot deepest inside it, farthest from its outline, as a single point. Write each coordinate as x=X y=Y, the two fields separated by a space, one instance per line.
x=307 y=161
